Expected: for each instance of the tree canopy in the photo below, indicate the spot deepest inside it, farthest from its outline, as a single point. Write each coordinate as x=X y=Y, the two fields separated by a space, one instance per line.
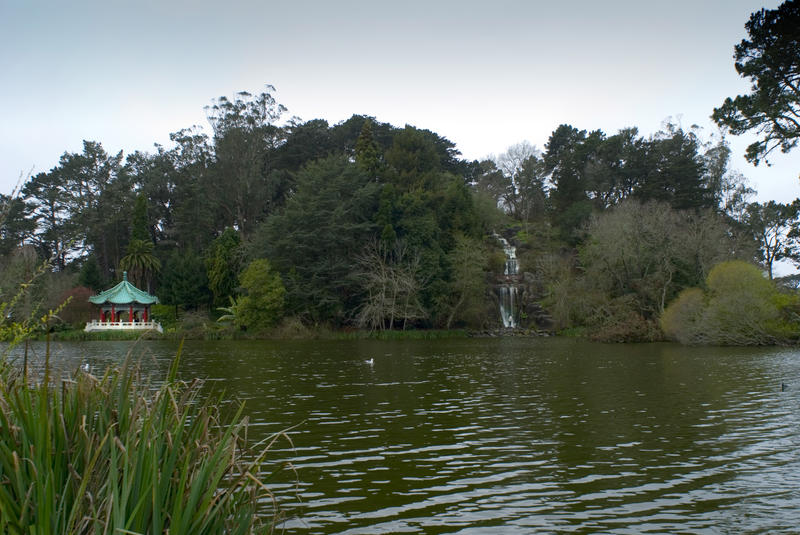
x=770 y=59
x=363 y=223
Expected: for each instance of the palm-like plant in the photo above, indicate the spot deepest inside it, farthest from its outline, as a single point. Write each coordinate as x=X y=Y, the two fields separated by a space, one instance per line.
x=140 y=262
x=228 y=313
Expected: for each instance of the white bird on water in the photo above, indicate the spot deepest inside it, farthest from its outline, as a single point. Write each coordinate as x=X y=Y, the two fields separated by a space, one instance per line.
x=85 y=367
x=370 y=361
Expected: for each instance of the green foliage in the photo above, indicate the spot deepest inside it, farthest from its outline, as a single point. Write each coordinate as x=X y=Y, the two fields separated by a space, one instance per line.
x=309 y=196
x=111 y=455
x=261 y=306
x=635 y=259
x=140 y=224
x=466 y=298
x=675 y=171
x=774 y=227
x=223 y=262
x=243 y=183
x=367 y=151
x=166 y=315
x=89 y=275
x=770 y=59
x=183 y=281
x=313 y=242
x=651 y=252
x=738 y=307
x=140 y=263
x=16 y=326
x=85 y=201
x=15 y=223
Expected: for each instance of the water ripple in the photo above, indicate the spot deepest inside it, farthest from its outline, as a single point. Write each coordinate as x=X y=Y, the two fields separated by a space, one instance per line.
x=515 y=436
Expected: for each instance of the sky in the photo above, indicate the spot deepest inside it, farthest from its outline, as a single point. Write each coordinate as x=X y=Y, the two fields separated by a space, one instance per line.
x=485 y=75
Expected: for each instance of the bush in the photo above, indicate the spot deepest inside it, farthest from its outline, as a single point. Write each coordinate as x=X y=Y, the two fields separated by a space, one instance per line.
x=740 y=306
x=166 y=315
x=617 y=321
x=682 y=320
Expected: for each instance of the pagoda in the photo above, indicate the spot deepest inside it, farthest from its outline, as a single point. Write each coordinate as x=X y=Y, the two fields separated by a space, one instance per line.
x=124 y=307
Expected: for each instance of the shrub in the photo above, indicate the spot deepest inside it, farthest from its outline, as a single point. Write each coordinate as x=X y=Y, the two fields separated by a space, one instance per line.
x=682 y=320
x=740 y=306
x=166 y=315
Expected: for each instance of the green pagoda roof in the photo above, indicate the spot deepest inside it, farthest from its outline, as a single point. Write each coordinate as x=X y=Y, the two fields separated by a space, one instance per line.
x=124 y=293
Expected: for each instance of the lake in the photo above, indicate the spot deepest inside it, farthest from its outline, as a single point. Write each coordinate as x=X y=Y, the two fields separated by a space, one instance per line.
x=510 y=435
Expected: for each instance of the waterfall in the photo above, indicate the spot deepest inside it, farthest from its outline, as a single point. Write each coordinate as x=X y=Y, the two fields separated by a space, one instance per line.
x=511 y=258
x=508 y=292
x=507 y=295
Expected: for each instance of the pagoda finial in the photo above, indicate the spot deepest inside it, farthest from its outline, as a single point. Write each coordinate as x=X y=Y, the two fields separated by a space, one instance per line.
x=125 y=276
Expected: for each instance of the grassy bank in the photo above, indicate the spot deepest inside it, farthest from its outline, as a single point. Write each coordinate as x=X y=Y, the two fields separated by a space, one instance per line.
x=110 y=455
x=212 y=331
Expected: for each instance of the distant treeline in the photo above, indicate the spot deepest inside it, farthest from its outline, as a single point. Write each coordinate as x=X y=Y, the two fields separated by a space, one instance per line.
x=367 y=224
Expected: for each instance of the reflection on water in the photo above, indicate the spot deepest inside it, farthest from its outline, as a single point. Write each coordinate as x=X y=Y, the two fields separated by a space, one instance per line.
x=512 y=435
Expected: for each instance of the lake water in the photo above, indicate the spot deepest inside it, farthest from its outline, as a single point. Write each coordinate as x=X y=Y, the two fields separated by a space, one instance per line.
x=512 y=435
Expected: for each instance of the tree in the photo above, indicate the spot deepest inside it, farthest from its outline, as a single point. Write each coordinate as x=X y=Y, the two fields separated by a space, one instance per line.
x=140 y=224
x=368 y=154
x=771 y=226
x=567 y=152
x=261 y=306
x=246 y=188
x=223 y=263
x=615 y=170
x=89 y=275
x=314 y=240
x=305 y=142
x=770 y=59
x=82 y=205
x=675 y=170
x=46 y=205
x=391 y=281
x=635 y=259
x=523 y=191
x=183 y=281
x=15 y=225
x=78 y=310
x=467 y=289
x=140 y=263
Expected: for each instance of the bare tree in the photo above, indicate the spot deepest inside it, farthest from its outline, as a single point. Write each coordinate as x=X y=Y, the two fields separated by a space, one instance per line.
x=391 y=279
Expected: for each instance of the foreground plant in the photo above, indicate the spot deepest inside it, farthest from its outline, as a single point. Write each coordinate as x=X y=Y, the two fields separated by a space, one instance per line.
x=109 y=455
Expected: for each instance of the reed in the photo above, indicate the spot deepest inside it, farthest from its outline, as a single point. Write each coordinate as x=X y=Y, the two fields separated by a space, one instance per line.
x=109 y=455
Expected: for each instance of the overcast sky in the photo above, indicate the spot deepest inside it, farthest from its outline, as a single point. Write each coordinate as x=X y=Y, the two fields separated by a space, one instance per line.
x=485 y=75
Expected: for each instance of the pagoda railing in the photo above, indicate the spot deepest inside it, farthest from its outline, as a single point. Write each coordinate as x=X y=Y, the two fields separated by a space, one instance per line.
x=96 y=325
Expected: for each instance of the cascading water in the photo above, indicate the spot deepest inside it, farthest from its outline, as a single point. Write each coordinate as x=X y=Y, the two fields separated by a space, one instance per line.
x=507 y=312
x=507 y=292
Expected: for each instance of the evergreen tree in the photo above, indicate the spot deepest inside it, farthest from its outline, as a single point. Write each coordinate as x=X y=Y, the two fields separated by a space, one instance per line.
x=223 y=263
x=89 y=275
x=140 y=224
x=367 y=152
x=184 y=281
